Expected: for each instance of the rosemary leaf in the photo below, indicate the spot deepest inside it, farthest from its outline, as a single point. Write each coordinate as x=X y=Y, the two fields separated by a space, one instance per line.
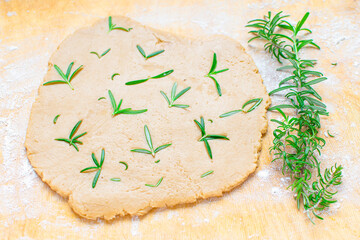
x=207 y=173
x=115 y=74
x=161 y=75
x=116 y=107
x=142 y=52
x=150 y=144
x=207 y=137
x=213 y=72
x=113 y=26
x=66 y=78
x=115 y=179
x=98 y=167
x=56 y=118
x=157 y=184
x=72 y=141
x=175 y=96
x=125 y=164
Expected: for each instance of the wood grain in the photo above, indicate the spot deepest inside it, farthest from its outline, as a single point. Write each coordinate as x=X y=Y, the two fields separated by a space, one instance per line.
x=261 y=208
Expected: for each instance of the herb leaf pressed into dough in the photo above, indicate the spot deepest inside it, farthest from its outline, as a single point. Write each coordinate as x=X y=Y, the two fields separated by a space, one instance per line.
x=152 y=151
x=101 y=55
x=142 y=52
x=175 y=96
x=113 y=26
x=66 y=78
x=157 y=184
x=117 y=110
x=213 y=72
x=97 y=168
x=207 y=173
x=161 y=75
x=56 y=118
x=256 y=102
x=73 y=140
x=207 y=137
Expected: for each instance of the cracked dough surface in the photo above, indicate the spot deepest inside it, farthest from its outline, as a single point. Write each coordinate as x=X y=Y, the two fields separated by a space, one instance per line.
x=181 y=165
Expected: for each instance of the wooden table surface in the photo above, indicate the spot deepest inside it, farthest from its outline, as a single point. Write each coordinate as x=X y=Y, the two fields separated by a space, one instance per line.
x=262 y=208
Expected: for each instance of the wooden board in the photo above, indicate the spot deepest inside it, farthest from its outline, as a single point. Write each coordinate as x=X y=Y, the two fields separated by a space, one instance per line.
x=261 y=208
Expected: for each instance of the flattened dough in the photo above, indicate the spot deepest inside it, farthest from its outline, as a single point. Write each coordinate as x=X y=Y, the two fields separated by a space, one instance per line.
x=182 y=164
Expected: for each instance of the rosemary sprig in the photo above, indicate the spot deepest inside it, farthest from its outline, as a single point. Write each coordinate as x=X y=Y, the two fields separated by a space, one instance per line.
x=117 y=109
x=101 y=55
x=97 y=167
x=213 y=72
x=161 y=75
x=142 y=52
x=115 y=74
x=255 y=103
x=113 y=26
x=73 y=140
x=207 y=137
x=125 y=164
x=207 y=173
x=296 y=142
x=56 y=118
x=66 y=77
x=152 y=151
x=157 y=184
x=175 y=96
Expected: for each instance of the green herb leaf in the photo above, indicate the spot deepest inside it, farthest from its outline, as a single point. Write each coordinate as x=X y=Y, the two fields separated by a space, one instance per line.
x=207 y=173
x=66 y=78
x=150 y=144
x=101 y=98
x=141 y=50
x=56 y=118
x=96 y=178
x=330 y=134
x=89 y=169
x=228 y=114
x=175 y=96
x=115 y=74
x=115 y=179
x=164 y=74
x=255 y=103
x=98 y=167
x=157 y=184
x=72 y=141
x=207 y=137
x=116 y=107
x=213 y=72
x=162 y=147
x=148 y=138
x=154 y=54
x=136 y=82
x=101 y=55
x=161 y=75
x=140 y=150
x=113 y=26
x=157 y=161
x=125 y=164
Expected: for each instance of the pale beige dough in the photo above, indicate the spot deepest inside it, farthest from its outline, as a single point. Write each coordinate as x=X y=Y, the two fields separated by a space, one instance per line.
x=182 y=164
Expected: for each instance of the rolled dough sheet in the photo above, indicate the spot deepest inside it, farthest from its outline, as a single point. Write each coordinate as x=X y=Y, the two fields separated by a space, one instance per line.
x=182 y=164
